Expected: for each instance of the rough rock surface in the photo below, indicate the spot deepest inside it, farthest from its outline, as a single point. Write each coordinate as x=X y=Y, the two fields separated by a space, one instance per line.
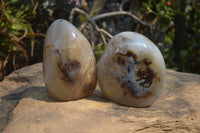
x=26 y=108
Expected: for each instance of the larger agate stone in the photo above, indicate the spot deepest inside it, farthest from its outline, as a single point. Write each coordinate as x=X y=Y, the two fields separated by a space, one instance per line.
x=68 y=63
x=131 y=70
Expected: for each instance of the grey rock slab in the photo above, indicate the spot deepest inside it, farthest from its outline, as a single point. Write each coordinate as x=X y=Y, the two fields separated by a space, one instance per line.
x=26 y=108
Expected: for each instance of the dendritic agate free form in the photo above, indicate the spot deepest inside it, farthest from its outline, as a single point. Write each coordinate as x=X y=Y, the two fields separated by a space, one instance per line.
x=68 y=62
x=131 y=70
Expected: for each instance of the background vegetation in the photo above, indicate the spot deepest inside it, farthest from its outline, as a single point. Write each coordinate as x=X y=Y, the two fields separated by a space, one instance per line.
x=176 y=28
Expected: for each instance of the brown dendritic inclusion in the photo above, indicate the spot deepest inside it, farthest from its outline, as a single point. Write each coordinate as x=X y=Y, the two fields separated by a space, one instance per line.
x=145 y=75
x=68 y=69
x=120 y=57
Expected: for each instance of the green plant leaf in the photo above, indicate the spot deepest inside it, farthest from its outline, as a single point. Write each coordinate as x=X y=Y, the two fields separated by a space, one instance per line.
x=14 y=1
x=29 y=28
x=83 y=18
x=10 y=2
x=18 y=26
x=8 y=16
x=22 y=11
x=168 y=40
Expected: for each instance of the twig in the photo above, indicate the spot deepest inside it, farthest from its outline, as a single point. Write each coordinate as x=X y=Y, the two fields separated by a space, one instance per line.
x=71 y=16
x=117 y=13
x=24 y=35
x=103 y=38
x=105 y=15
x=82 y=26
x=122 y=4
x=18 y=39
x=100 y=31
x=36 y=5
x=92 y=36
x=36 y=34
x=105 y=32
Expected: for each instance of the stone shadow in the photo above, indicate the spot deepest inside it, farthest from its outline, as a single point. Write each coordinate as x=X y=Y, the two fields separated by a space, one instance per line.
x=40 y=93
x=10 y=101
x=35 y=92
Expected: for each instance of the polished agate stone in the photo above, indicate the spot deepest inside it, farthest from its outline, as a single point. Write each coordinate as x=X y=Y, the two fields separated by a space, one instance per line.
x=131 y=70
x=69 y=65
